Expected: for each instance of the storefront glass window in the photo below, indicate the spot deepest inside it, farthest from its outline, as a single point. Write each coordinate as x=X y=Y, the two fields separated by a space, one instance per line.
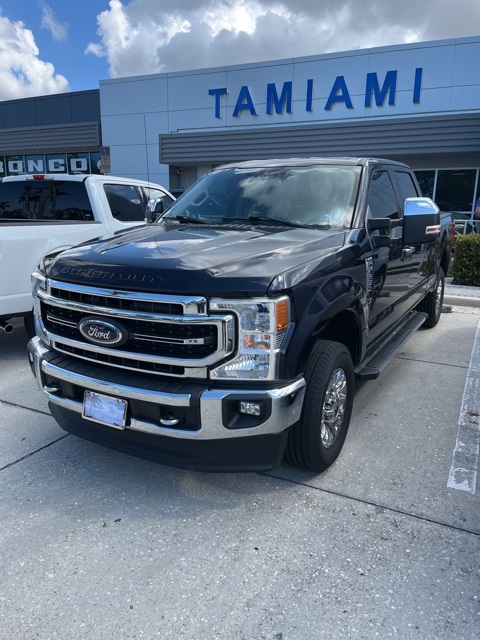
x=96 y=166
x=426 y=180
x=56 y=163
x=35 y=163
x=15 y=165
x=78 y=162
x=455 y=189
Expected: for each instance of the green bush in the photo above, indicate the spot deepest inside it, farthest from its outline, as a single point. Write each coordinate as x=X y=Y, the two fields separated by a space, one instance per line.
x=466 y=263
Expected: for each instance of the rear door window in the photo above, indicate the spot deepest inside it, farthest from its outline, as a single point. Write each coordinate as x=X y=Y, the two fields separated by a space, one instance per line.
x=42 y=201
x=126 y=202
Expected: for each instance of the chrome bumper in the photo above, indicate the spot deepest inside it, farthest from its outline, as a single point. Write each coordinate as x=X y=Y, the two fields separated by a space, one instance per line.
x=286 y=402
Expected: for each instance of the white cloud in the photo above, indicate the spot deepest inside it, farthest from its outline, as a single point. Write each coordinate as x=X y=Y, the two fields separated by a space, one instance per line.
x=59 y=31
x=22 y=72
x=151 y=36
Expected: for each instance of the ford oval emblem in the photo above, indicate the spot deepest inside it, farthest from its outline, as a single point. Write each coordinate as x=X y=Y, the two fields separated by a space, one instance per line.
x=102 y=332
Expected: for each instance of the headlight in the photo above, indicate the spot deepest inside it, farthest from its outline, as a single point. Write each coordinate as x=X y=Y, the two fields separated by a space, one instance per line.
x=39 y=285
x=39 y=276
x=39 y=281
x=262 y=325
x=47 y=260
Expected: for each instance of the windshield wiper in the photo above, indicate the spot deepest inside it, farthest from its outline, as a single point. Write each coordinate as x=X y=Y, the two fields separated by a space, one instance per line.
x=184 y=219
x=257 y=220
x=261 y=219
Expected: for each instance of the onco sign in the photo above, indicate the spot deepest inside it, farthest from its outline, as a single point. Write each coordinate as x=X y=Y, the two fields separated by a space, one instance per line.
x=81 y=162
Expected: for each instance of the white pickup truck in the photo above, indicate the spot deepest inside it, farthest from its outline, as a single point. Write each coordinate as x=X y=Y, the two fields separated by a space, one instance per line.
x=44 y=213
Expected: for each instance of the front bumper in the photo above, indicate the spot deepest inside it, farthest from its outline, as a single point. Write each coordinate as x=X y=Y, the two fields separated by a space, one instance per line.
x=210 y=434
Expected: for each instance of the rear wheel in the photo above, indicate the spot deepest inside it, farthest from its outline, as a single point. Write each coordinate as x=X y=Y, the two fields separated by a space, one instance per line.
x=315 y=442
x=432 y=304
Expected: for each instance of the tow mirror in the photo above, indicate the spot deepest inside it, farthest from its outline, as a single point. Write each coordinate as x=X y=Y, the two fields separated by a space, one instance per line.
x=154 y=209
x=380 y=224
x=421 y=221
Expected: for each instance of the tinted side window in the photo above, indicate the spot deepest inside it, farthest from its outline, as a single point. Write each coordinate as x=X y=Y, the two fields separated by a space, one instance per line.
x=406 y=186
x=381 y=200
x=44 y=201
x=125 y=202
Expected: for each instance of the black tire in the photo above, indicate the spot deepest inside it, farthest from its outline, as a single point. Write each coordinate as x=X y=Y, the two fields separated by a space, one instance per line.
x=29 y=324
x=433 y=302
x=315 y=443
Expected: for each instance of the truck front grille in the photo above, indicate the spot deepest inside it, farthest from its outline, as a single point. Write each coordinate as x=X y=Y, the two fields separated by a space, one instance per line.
x=127 y=304
x=164 y=335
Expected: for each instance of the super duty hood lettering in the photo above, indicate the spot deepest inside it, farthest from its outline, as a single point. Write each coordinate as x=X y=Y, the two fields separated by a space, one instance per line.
x=97 y=274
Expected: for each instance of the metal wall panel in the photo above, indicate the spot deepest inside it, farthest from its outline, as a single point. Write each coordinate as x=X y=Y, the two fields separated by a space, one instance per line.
x=395 y=138
x=53 y=110
x=19 y=113
x=61 y=108
x=83 y=136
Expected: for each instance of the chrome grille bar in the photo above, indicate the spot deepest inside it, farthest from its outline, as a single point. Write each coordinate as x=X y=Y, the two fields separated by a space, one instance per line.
x=191 y=304
x=167 y=344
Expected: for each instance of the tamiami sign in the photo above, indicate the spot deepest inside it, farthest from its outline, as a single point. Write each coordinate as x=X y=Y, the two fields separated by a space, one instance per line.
x=280 y=100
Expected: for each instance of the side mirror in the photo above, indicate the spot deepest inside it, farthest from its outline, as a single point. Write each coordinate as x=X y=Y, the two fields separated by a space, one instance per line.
x=421 y=221
x=154 y=209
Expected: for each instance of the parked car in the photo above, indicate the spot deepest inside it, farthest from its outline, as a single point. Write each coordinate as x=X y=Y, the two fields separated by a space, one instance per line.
x=230 y=332
x=44 y=213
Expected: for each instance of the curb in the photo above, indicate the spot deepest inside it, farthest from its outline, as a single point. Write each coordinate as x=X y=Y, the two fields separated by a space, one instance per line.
x=461 y=301
x=460 y=295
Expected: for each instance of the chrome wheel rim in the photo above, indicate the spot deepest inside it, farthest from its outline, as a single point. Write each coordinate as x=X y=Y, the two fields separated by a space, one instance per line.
x=438 y=299
x=334 y=406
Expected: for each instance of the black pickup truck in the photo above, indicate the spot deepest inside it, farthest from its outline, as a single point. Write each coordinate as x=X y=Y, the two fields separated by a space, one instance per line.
x=229 y=333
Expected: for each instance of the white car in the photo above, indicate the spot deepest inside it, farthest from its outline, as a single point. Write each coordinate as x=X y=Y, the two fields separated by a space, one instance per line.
x=47 y=212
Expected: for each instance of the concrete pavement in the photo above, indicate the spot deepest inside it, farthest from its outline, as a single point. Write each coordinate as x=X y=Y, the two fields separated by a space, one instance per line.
x=96 y=544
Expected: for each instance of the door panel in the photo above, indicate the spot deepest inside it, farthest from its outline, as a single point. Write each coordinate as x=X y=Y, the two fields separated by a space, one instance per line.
x=391 y=266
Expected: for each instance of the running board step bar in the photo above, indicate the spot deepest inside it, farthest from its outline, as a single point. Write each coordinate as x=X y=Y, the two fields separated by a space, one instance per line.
x=376 y=363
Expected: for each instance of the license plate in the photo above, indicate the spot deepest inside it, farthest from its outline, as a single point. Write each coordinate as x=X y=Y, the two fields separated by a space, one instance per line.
x=105 y=409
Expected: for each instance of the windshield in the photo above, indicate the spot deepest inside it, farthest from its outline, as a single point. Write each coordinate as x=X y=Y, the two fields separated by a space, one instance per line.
x=316 y=196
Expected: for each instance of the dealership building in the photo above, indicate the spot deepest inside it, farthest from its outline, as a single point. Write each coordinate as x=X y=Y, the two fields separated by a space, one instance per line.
x=418 y=103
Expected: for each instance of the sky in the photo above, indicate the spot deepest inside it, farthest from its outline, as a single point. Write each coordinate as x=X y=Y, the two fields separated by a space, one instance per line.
x=54 y=46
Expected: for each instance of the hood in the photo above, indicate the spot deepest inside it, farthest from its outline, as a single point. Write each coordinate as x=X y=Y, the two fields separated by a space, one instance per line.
x=194 y=259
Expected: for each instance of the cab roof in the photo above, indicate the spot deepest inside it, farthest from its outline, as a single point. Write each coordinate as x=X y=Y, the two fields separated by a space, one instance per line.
x=309 y=162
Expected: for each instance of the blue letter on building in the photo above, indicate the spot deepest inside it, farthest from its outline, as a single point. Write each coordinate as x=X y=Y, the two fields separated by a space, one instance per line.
x=286 y=97
x=217 y=93
x=418 y=85
x=389 y=85
x=340 y=88
x=309 y=100
x=244 y=103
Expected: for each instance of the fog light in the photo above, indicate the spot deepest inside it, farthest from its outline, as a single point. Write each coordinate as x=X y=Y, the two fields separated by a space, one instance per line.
x=251 y=408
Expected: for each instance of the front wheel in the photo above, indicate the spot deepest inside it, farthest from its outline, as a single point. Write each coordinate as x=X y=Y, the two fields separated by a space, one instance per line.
x=315 y=442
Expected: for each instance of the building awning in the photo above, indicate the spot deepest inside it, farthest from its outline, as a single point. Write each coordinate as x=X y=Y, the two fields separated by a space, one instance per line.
x=391 y=138
x=75 y=136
